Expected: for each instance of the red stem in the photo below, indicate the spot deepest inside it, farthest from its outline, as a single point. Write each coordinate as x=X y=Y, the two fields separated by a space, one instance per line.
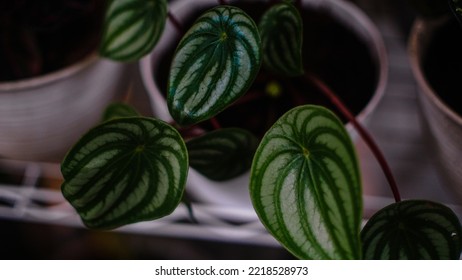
x=361 y=130
x=176 y=23
x=215 y=123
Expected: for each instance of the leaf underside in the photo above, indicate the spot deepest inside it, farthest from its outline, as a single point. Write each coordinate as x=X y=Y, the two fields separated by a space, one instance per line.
x=214 y=64
x=281 y=32
x=305 y=185
x=125 y=171
x=413 y=229
x=222 y=154
x=132 y=28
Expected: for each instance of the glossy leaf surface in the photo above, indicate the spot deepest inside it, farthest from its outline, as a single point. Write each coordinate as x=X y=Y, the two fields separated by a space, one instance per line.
x=281 y=33
x=132 y=28
x=305 y=185
x=214 y=64
x=118 y=110
x=413 y=229
x=222 y=154
x=125 y=171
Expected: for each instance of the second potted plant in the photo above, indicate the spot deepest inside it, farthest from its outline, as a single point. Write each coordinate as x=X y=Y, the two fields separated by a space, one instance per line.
x=53 y=84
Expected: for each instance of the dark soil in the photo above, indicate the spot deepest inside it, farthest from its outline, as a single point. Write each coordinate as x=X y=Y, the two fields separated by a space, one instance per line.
x=39 y=37
x=443 y=65
x=331 y=51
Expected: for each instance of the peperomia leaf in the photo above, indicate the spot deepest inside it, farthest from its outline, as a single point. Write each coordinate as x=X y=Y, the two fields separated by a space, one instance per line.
x=222 y=154
x=132 y=28
x=413 y=229
x=456 y=7
x=214 y=64
x=305 y=185
x=118 y=110
x=124 y=171
x=281 y=31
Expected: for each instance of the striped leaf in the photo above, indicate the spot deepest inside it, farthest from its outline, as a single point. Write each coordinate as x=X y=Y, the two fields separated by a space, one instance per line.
x=305 y=185
x=281 y=36
x=456 y=7
x=124 y=171
x=118 y=110
x=214 y=64
x=413 y=229
x=222 y=154
x=132 y=28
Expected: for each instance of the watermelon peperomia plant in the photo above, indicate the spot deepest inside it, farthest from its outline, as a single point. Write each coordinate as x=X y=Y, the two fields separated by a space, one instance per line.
x=305 y=182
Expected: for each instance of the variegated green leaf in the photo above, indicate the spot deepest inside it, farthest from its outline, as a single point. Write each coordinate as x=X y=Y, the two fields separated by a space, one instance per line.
x=124 y=171
x=132 y=28
x=281 y=36
x=222 y=154
x=456 y=7
x=305 y=185
x=214 y=64
x=118 y=110
x=413 y=229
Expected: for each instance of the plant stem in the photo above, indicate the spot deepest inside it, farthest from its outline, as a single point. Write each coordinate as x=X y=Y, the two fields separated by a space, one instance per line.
x=187 y=201
x=176 y=23
x=215 y=123
x=360 y=129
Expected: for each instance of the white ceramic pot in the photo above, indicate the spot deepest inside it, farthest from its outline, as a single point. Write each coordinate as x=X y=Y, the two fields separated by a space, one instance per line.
x=234 y=192
x=443 y=126
x=42 y=117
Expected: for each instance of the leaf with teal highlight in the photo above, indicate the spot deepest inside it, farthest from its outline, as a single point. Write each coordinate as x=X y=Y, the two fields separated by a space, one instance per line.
x=222 y=154
x=281 y=31
x=125 y=171
x=306 y=187
x=214 y=64
x=132 y=28
x=413 y=229
x=118 y=110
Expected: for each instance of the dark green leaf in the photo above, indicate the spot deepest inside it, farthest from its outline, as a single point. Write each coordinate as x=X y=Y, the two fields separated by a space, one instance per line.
x=118 y=110
x=222 y=154
x=124 y=171
x=132 y=28
x=413 y=229
x=281 y=33
x=306 y=187
x=214 y=64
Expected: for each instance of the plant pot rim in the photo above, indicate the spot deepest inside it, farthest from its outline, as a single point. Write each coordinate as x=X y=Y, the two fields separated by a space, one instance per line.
x=419 y=38
x=52 y=77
